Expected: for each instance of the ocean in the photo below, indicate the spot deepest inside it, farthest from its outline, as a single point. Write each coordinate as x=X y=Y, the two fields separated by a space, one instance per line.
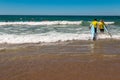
x=20 y=29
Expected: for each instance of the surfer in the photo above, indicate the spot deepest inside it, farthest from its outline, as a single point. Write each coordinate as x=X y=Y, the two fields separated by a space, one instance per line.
x=95 y=24
x=101 y=26
x=93 y=27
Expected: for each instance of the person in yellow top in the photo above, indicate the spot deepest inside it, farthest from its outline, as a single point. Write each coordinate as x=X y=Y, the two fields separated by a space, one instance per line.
x=95 y=24
x=101 y=26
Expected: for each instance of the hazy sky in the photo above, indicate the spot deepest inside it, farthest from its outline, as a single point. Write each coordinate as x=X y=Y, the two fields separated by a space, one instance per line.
x=59 y=7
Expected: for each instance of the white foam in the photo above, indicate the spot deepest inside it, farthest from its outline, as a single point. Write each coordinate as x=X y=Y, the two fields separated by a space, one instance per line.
x=48 y=23
x=42 y=23
x=109 y=22
x=103 y=36
x=35 y=38
x=49 y=37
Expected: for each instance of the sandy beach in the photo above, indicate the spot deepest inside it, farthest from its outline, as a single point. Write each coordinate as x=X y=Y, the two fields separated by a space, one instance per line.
x=70 y=60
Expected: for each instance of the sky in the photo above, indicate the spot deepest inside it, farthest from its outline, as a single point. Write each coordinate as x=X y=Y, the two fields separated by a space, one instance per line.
x=59 y=7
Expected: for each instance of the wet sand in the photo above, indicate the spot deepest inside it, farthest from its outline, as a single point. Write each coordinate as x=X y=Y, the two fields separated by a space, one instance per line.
x=71 y=60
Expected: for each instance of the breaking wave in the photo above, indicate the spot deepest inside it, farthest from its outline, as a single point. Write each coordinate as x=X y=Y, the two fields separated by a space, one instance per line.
x=50 y=23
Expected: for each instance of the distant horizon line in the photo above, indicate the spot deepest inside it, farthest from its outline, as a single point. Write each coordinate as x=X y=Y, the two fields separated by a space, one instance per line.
x=50 y=15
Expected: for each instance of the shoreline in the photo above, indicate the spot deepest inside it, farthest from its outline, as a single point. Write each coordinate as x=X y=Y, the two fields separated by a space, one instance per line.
x=55 y=43
x=83 y=45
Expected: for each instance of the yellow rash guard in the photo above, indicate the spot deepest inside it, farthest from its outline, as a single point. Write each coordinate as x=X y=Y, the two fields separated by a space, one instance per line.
x=94 y=23
x=101 y=25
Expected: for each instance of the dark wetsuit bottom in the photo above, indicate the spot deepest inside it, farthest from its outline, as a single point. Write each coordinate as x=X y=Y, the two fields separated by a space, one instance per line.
x=101 y=30
x=94 y=38
x=95 y=30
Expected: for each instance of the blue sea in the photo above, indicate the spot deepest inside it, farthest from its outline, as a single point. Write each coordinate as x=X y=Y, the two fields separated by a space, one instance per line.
x=19 y=29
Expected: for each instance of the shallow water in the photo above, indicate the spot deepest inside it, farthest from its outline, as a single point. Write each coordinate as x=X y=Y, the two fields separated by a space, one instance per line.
x=35 y=29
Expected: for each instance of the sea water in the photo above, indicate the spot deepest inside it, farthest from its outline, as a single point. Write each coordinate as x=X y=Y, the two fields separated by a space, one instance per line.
x=19 y=29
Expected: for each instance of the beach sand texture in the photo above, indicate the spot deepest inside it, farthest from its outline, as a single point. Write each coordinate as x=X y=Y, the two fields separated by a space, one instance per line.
x=70 y=60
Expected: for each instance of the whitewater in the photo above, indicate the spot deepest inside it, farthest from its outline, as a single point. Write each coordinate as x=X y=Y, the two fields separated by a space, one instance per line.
x=47 y=23
x=49 y=31
x=20 y=29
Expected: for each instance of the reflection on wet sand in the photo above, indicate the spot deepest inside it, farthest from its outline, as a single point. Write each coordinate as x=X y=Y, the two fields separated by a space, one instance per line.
x=73 y=60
